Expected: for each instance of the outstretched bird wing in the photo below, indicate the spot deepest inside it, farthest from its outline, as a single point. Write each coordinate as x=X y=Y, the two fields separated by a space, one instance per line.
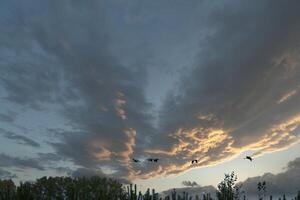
x=249 y=158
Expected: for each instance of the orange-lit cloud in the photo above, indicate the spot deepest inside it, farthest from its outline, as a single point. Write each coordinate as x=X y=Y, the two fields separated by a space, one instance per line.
x=101 y=151
x=240 y=91
x=129 y=143
x=279 y=137
x=213 y=146
x=287 y=96
x=119 y=104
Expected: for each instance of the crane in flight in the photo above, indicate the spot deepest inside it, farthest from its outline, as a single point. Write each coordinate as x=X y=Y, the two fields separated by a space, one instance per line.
x=135 y=160
x=153 y=160
x=249 y=158
x=194 y=161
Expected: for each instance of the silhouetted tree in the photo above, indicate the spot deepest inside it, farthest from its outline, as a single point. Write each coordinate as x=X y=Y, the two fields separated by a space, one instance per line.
x=261 y=187
x=7 y=189
x=228 y=189
x=25 y=191
x=97 y=188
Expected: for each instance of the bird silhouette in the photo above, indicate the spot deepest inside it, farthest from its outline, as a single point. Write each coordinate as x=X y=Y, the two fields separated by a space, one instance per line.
x=155 y=160
x=135 y=160
x=194 y=161
x=249 y=158
x=150 y=159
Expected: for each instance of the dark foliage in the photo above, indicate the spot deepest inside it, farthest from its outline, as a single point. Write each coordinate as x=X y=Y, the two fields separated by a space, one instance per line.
x=97 y=188
x=63 y=188
x=228 y=189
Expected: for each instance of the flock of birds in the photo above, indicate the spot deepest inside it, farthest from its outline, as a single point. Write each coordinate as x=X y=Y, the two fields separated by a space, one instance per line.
x=192 y=162
x=149 y=160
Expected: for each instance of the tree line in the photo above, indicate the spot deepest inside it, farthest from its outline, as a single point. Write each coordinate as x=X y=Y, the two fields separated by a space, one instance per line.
x=97 y=188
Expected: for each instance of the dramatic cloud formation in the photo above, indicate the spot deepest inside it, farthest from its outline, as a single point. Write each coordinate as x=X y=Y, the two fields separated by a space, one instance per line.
x=240 y=93
x=69 y=65
x=286 y=182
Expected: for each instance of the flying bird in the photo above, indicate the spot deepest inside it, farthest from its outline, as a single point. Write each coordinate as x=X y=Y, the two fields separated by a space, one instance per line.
x=150 y=159
x=153 y=160
x=249 y=158
x=135 y=160
x=194 y=161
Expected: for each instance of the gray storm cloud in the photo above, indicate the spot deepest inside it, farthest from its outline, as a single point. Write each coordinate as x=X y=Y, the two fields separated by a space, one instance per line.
x=20 y=139
x=242 y=92
x=25 y=163
x=6 y=174
x=69 y=65
x=286 y=182
x=189 y=183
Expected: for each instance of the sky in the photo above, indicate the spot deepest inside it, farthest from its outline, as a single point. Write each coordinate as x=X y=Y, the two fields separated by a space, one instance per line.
x=87 y=86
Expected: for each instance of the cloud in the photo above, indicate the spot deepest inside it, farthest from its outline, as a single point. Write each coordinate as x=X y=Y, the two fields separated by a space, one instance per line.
x=49 y=157
x=20 y=139
x=189 y=183
x=7 y=117
x=119 y=103
x=286 y=182
x=62 y=170
x=22 y=163
x=238 y=95
x=6 y=174
x=286 y=96
x=69 y=65
x=228 y=102
x=42 y=161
